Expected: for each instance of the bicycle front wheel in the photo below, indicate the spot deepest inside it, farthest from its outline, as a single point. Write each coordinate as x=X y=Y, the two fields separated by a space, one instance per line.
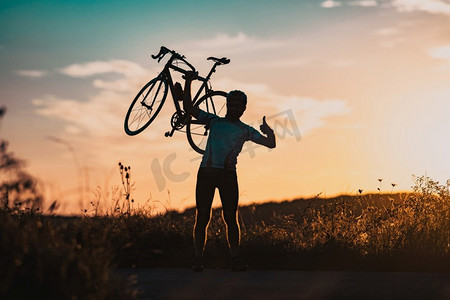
x=146 y=106
x=197 y=134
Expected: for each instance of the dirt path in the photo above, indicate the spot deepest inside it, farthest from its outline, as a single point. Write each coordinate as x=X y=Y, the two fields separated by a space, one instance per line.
x=224 y=284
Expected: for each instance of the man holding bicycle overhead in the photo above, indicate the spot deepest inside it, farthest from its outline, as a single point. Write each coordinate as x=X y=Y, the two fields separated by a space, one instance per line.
x=218 y=168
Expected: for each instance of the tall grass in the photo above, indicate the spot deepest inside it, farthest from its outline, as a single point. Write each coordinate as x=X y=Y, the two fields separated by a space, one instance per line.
x=403 y=231
x=49 y=257
x=75 y=257
x=412 y=233
x=377 y=232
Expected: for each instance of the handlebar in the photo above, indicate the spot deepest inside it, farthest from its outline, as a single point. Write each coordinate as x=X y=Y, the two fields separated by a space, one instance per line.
x=164 y=50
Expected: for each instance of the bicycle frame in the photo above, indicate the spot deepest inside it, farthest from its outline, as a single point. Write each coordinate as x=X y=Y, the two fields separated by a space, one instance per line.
x=168 y=77
x=166 y=74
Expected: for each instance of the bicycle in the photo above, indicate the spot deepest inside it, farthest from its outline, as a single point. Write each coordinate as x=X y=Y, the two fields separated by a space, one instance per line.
x=150 y=99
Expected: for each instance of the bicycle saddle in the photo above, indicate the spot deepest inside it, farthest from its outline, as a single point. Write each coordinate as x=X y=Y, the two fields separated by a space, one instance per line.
x=220 y=61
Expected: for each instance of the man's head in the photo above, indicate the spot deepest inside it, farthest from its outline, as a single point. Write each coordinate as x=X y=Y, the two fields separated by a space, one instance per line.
x=236 y=105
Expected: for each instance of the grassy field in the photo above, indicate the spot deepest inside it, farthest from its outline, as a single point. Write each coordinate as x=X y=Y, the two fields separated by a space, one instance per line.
x=63 y=257
x=75 y=257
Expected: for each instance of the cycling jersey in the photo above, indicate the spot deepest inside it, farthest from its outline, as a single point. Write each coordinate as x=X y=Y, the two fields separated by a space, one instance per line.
x=225 y=140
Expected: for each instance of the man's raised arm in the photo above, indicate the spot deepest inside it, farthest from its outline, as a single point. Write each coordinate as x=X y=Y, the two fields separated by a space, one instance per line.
x=187 y=99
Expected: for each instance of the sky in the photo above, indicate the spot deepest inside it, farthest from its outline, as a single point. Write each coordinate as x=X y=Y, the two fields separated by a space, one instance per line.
x=356 y=91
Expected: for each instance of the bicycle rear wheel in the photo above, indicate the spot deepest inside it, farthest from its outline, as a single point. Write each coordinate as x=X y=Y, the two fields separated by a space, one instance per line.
x=146 y=106
x=197 y=134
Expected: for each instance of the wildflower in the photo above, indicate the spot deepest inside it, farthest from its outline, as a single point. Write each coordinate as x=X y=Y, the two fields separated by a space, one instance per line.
x=393 y=184
x=360 y=191
x=380 y=179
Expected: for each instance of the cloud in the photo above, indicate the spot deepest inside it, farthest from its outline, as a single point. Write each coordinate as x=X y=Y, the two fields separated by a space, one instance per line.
x=430 y=6
x=120 y=85
x=387 y=31
x=229 y=44
x=32 y=73
x=102 y=114
x=442 y=52
x=342 y=63
x=330 y=4
x=224 y=40
x=311 y=113
x=99 y=116
x=123 y=67
x=390 y=37
x=364 y=3
x=245 y=51
x=133 y=75
x=278 y=63
x=392 y=42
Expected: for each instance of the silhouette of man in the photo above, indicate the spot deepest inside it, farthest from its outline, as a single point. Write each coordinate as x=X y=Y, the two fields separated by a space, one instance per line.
x=218 y=168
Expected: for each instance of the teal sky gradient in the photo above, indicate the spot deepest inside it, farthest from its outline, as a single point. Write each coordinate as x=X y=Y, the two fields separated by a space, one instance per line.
x=56 y=31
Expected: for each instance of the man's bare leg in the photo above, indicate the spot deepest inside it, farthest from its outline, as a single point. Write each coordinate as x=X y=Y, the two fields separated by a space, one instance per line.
x=233 y=231
x=200 y=230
